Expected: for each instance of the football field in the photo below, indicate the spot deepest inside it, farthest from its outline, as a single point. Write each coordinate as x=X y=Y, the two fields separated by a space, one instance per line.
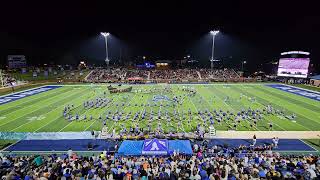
x=172 y=107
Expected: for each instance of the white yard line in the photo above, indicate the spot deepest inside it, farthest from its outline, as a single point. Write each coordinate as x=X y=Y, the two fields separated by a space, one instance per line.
x=20 y=126
x=265 y=118
x=145 y=102
x=113 y=125
x=300 y=88
x=44 y=113
x=30 y=98
x=90 y=125
x=308 y=145
x=299 y=114
x=96 y=119
x=29 y=112
x=4 y=149
x=55 y=118
x=271 y=120
x=65 y=126
x=23 y=91
x=235 y=111
x=281 y=126
x=75 y=120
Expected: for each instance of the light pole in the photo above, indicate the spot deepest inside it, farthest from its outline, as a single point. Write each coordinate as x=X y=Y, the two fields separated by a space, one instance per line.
x=242 y=63
x=105 y=35
x=213 y=33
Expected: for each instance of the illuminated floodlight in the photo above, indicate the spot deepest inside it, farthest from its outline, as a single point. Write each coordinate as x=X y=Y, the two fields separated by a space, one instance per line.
x=212 y=60
x=105 y=34
x=214 y=32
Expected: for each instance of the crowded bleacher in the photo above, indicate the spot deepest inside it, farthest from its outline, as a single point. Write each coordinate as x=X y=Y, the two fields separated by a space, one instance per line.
x=135 y=73
x=207 y=163
x=218 y=74
x=7 y=80
x=102 y=75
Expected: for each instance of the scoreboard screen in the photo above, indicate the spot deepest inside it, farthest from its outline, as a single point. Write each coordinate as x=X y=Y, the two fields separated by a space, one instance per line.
x=293 y=67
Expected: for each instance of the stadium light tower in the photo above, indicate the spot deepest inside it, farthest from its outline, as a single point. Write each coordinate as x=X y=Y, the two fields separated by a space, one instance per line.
x=105 y=35
x=213 y=33
x=242 y=64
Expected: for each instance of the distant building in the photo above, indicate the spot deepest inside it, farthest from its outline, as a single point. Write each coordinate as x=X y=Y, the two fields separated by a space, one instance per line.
x=16 y=61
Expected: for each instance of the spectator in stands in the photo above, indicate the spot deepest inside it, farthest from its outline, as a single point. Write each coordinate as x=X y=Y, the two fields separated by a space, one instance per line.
x=225 y=163
x=115 y=74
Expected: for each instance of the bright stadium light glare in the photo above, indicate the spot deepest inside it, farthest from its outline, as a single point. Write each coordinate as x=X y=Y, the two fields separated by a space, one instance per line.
x=105 y=34
x=214 y=32
x=242 y=64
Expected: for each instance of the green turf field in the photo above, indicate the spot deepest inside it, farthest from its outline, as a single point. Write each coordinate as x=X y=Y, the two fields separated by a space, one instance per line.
x=44 y=112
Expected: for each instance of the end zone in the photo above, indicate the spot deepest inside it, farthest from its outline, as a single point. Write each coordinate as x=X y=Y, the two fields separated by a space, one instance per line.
x=19 y=95
x=297 y=91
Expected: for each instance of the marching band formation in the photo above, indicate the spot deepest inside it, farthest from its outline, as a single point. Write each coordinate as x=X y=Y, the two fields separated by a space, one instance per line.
x=167 y=114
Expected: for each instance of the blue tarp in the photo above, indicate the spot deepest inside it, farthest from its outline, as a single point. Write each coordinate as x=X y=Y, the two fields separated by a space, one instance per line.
x=135 y=148
x=181 y=146
x=155 y=147
x=130 y=148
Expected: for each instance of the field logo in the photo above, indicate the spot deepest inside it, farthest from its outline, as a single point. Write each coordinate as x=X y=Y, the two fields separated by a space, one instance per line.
x=160 y=98
x=297 y=91
x=35 y=118
x=15 y=96
x=155 y=147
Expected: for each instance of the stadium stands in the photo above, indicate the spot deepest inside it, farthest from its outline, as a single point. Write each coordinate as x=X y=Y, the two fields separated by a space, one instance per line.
x=216 y=162
x=208 y=159
x=103 y=75
x=7 y=80
x=218 y=74
x=137 y=73
x=178 y=74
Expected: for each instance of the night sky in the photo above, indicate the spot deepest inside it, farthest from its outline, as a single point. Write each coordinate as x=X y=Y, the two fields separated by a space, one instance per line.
x=67 y=32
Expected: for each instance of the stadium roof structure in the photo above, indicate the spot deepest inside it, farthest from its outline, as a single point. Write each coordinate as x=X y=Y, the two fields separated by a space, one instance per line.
x=317 y=77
